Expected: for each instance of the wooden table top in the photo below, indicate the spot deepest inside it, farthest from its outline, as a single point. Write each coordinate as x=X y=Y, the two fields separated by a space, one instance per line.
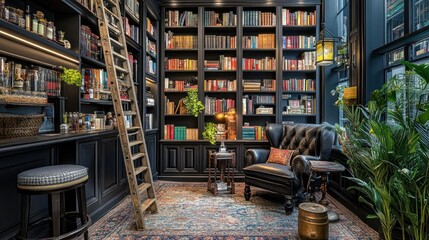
x=326 y=166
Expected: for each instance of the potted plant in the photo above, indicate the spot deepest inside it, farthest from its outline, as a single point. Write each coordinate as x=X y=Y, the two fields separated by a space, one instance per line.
x=210 y=132
x=71 y=76
x=192 y=104
x=388 y=152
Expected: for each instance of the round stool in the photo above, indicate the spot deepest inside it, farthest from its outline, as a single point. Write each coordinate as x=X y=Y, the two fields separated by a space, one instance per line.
x=54 y=181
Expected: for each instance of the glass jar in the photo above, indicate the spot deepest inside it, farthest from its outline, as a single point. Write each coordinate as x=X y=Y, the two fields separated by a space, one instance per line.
x=2 y=71
x=50 y=30
x=41 y=27
x=12 y=17
x=34 y=24
x=20 y=18
x=19 y=82
x=2 y=8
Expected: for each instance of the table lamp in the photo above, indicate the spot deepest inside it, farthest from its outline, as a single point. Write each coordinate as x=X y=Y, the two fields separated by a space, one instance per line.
x=220 y=118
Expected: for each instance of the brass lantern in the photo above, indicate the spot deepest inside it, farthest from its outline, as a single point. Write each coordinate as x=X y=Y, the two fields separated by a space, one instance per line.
x=325 y=51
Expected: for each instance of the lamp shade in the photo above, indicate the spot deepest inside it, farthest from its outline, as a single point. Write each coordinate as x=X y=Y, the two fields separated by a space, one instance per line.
x=325 y=52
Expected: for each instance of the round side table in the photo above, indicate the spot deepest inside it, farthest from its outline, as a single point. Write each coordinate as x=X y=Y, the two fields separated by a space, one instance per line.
x=324 y=168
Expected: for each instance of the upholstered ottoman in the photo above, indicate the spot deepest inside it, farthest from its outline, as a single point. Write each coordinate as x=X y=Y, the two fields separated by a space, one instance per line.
x=54 y=181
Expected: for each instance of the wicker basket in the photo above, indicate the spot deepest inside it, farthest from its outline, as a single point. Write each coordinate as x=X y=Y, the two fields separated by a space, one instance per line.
x=15 y=126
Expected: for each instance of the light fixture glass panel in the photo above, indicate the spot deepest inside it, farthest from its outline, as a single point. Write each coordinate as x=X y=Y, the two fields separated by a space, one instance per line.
x=325 y=52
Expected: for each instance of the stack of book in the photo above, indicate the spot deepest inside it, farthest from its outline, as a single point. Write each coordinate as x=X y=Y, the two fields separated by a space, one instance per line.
x=172 y=132
x=253 y=133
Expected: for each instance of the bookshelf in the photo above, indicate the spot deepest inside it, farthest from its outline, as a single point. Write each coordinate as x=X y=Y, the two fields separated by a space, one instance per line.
x=235 y=58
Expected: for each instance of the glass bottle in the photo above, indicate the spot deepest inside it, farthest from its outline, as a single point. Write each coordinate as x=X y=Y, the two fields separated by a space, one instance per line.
x=41 y=27
x=12 y=15
x=35 y=24
x=50 y=30
x=2 y=71
x=27 y=19
x=20 y=18
x=2 y=8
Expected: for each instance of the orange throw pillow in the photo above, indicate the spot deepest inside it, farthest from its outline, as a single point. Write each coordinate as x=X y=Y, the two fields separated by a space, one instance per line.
x=280 y=156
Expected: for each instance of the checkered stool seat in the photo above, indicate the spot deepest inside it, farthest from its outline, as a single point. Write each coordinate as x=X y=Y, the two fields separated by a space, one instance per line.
x=52 y=177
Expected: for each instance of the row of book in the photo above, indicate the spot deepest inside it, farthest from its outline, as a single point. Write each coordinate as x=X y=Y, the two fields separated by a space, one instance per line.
x=253 y=133
x=132 y=31
x=263 y=99
x=259 y=85
x=225 y=63
x=133 y=7
x=212 y=18
x=173 y=18
x=215 y=105
x=178 y=85
x=299 y=104
x=258 y=18
x=90 y=43
x=295 y=84
x=180 y=64
x=267 y=63
x=150 y=28
x=180 y=41
x=262 y=40
x=307 y=62
x=150 y=47
x=95 y=84
x=215 y=41
x=170 y=106
x=292 y=42
x=298 y=18
x=150 y=65
x=220 y=85
x=172 y=132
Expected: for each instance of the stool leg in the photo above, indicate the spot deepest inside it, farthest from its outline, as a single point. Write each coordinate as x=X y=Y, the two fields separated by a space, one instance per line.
x=25 y=215
x=55 y=208
x=81 y=195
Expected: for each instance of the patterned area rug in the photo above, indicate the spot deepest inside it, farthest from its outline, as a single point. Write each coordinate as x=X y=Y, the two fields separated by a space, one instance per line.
x=188 y=211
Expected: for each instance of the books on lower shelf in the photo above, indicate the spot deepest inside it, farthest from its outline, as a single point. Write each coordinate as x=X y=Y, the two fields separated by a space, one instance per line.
x=149 y=121
x=220 y=42
x=95 y=84
x=174 y=18
x=307 y=61
x=150 y=28
x=179 y=85
x=220 y=85
x=224 y=63
x=294 y=42
x=172 y=132
x=215 y=105
x=212 y=18
x=258 y=18
x=259 y=85
x=180 y=41
x=299 y=104
x=262 y=40
x=253 y=133
x=298 y=18
x=180 y=64
x=132 y=30
x=267 y=63
x=294 y=84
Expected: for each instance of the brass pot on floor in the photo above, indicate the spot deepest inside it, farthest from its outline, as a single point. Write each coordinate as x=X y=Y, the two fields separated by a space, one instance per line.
x=313 y=221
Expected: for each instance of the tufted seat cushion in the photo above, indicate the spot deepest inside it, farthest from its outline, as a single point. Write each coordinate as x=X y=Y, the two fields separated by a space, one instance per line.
x=52 y=177
x=270 y=171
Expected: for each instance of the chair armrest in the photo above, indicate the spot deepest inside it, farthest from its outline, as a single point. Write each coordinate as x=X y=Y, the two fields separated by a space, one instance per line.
x=256 y=156
x=301 y=164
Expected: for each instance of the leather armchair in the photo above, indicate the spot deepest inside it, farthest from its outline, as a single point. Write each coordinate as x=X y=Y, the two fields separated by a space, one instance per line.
x=309 y=142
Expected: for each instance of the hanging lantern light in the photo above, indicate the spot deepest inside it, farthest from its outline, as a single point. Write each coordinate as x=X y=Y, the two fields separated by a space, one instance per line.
x=325 y=51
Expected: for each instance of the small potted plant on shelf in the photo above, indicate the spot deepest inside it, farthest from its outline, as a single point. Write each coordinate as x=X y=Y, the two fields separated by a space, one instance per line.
x=210 y=132
x=71 y=76
x=192 y=104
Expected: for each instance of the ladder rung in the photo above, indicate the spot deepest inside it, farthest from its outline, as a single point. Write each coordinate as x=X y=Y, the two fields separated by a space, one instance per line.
x=140 y=169
x=112 y=2
x=147 y=203
x=137 y=156
x=133 y=129
x=143 y=187
x=121 y=69
x=116 y=43
x=119 y=56
x=128 y=113
x=133 y=143
x=111 y=13
x=114 y=29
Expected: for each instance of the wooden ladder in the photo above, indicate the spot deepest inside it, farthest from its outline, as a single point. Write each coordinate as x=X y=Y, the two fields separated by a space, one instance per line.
x=131 y=133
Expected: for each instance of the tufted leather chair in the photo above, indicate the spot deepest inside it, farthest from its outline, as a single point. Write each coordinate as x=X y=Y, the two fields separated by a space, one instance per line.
x=309 y=142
